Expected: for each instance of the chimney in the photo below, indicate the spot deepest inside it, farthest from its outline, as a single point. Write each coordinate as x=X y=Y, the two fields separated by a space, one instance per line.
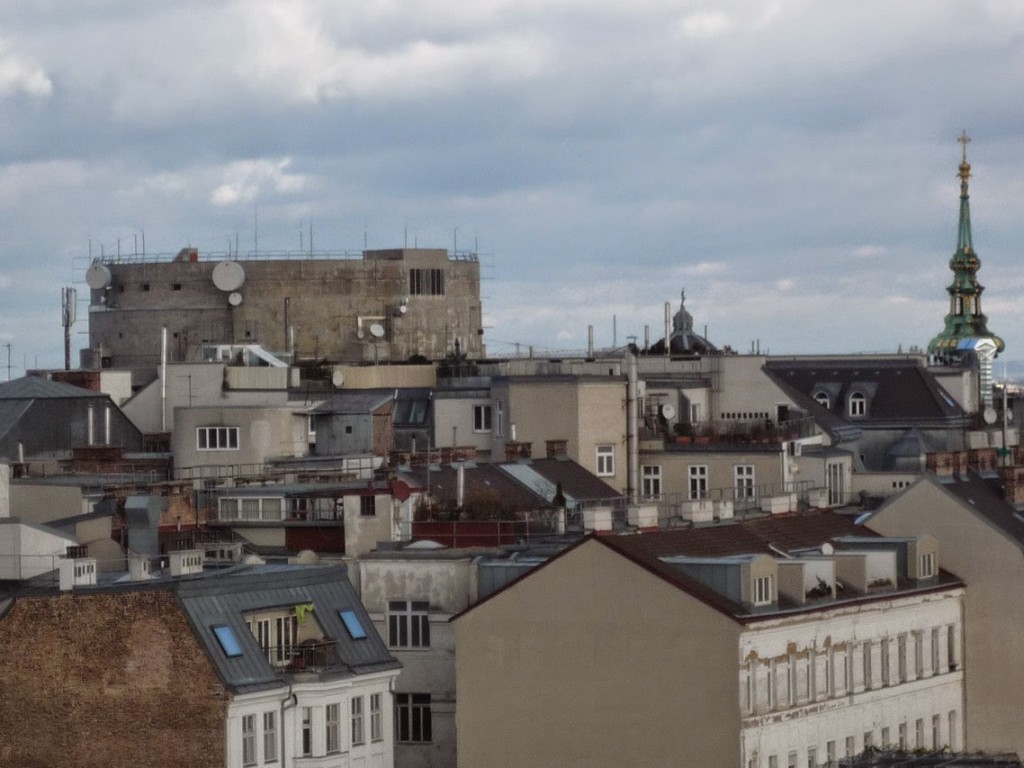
x=517 y=450
x=1013 y=484
x=982 y=459
x=556 y=449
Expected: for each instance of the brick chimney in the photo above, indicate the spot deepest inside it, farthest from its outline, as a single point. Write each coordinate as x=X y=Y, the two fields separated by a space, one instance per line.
x=1013 y=484
x=946 y=463
x=982 y=459
x=515 y=450
x=556 y=448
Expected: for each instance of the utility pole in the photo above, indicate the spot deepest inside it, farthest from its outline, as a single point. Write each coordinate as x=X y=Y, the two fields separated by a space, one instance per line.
x=8 y=345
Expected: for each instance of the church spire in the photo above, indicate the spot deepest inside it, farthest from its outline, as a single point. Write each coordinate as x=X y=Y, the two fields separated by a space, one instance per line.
x=963 y=242
x=966 y=327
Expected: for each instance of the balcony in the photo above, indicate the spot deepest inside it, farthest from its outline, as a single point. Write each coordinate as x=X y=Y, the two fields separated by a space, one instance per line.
x=734 y=432
x=311 y=655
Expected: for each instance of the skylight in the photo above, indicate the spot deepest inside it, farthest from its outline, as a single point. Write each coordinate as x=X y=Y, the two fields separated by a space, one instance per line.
x=353 y=625
x=228 y=642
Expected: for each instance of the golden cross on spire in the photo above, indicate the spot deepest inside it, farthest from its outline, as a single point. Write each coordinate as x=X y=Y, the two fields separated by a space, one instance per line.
x=965 y=167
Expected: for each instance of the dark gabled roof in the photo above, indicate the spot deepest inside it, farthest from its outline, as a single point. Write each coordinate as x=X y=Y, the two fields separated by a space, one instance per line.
x=896 y=389
x=362 y=401
x=577 y=482
x=481 y=481
x=222 y=600
x=516 y=485
x=38 y=388
x=766 y=536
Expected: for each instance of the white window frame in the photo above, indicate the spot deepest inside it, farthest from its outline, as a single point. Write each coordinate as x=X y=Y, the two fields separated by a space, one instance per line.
x=764 y=590
x=306 y=735
x=249 y=740
x=376 y=717
x=926 y=565
x=651 y=481
x=698 y=481
x=745 y=483
x=858 y=404
x=332 y=727
x=605 y=461
x=358 y=722
x=482 y=418
x=821 y=398
x=217 y=438
x=270 y=737
x=408 y=624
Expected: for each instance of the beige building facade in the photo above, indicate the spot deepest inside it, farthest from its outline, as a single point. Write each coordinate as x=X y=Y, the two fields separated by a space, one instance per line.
x=983 y=541
x=619 y=653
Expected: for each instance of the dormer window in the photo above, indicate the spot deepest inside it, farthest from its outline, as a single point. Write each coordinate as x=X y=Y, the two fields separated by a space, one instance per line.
x=764 y=590
x=926 y=566
x=858 y=404
x=821 y=398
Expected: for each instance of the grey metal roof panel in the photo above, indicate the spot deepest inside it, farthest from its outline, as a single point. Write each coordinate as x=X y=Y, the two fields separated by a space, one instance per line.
x=225 y=599
x=37 y=388
x=359 y=401
x=11 y=412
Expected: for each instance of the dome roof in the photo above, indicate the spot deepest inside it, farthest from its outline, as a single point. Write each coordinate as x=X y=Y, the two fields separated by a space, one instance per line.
x=682 y=340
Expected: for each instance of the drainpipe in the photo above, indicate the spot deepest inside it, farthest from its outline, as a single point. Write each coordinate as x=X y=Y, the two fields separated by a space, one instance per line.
x=632 y=427
x=163 y=379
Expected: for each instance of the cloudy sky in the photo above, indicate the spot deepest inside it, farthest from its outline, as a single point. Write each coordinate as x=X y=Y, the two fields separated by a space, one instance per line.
x=791 y=164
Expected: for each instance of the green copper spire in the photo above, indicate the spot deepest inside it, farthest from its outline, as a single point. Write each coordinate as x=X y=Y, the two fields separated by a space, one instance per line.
x=965 y=324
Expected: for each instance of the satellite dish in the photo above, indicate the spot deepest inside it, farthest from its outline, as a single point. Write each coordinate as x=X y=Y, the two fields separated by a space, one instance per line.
x=98 y=277
x=228 y=276
x=337 y=379
x=989 y=415
x=668 y=410
x=827 y=549
x=377 y=331
x=235 y=299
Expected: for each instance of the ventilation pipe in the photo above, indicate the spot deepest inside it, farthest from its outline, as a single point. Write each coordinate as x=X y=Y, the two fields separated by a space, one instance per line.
x=590 y=341
x=668 y=328
x=647 y=337
x=163 y=379
x=460 y=485
x=632 y=426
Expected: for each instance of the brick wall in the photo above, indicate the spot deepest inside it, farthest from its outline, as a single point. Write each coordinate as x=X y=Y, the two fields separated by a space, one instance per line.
x=107 y=680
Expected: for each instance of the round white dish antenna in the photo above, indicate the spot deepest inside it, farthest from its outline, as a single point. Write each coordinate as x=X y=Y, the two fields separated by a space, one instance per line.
x=228 y=276
x=98 y=277
x=668 y=410
x=827 y=548
x=377 y=331
x=338 y=379
x=989 y=415
x=235 y=298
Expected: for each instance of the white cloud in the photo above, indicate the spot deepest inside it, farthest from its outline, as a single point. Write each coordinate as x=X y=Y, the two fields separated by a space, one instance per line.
x=706 y=24
x=245 y=180
x=869 y=251
x=21 y=75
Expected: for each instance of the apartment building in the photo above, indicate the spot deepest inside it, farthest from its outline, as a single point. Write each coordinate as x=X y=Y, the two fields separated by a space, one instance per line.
x=785 y=641
x=250 y=666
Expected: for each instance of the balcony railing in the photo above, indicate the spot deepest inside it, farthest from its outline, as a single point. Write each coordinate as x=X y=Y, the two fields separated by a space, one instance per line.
x=308 y=655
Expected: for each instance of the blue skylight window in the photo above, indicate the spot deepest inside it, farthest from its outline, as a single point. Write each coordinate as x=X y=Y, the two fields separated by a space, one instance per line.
x=228 y=642
x=353 y=625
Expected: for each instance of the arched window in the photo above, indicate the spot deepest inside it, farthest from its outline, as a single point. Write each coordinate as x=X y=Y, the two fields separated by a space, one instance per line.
x=821 y=398
x=858 y=405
